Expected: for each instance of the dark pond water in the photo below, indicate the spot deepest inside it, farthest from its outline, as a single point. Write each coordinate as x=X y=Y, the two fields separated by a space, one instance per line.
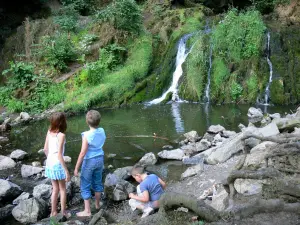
x=125 y=128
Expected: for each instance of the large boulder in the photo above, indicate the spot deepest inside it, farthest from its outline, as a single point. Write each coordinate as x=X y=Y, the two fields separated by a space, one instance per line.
x=256 y=158
x=122 y=190
x=223 y=152
x=18 y=154
x=148 y=159
x=30 y=211
x=123 y=173
x=209 y=136
x=192 y=136
x=220 y=200
x=202 y=145
x=6 y=163
x=248 y=186
x=227 y=133
x=27 y=171
x=42 y=191
x=8 y=191
x=286 y=123
x=255 y=115
x=177 y=154
x=215 y=129
x=5 y=212
x=22 y=197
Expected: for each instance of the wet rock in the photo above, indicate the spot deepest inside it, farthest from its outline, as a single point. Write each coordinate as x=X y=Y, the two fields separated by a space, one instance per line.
x=5 y=212
x=30 y=210
x=27 y=171
x=21 y=197
x=123 y=173
x=192 y=160
x=18 y=154
x=42 y=191
x=215 y=129
x=227 y=133
x=67 y=159
x=191 y=171
x=255 y=115
x=203 y=145
x=192 y=136
x=8 y=191
x=25 y=116
x=41 y=152
x=122 y=189
x=167 y=147
x=6 y=163
x=148 y=159
x=177 y=154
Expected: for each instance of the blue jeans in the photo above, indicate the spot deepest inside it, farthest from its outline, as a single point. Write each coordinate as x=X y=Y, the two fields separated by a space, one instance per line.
x=91 y=176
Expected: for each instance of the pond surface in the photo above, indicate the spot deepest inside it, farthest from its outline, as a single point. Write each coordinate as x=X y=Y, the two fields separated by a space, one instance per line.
x=130 y=130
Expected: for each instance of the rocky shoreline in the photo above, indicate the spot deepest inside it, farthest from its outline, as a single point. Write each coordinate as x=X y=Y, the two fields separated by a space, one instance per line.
x=224 y=171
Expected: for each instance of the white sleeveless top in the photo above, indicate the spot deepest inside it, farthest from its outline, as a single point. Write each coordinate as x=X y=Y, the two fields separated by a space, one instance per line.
x=53 y=145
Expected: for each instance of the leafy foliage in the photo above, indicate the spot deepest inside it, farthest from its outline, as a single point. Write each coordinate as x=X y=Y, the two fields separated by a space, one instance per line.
x=267 y=6
x=252 y=86
x=239 y=35
x=236 y=90
x=67 y=18
x=123 y=14
x=82 y=6
x=57 y=51
x=22 y=74
x=15 y=105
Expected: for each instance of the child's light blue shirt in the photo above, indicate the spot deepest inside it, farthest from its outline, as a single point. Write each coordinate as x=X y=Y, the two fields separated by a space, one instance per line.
x=96 y=139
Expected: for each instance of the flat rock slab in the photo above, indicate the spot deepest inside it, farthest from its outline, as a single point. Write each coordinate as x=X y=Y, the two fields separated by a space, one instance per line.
x=176 y=154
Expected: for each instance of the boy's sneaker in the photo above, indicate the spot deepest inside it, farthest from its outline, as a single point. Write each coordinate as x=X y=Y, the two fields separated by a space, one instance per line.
x=147 y=211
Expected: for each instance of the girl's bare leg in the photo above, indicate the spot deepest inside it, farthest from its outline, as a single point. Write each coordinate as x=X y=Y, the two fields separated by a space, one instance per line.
x=63 y=197
x=54 y=196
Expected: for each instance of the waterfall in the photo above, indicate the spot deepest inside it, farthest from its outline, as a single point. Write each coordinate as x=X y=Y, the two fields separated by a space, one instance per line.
x=179 y=126
x=207 y=88
x=182 y=53
x=267 y=91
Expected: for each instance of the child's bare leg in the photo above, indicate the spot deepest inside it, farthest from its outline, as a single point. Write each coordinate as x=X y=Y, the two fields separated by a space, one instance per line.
x=97 y=200
x=87 y=209
x=63 y=197
x=54 y=196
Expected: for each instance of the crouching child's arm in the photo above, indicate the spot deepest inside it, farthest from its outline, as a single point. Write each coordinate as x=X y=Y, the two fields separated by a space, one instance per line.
x=144 y=197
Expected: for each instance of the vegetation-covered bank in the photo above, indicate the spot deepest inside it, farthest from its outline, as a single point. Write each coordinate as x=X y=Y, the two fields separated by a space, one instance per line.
x=123 y=52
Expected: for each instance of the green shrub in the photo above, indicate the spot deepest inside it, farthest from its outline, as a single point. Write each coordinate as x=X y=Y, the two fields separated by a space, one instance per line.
x=123 y=14
x=5 y=95
x=236 y=90
x=15 y=105
x=239 y=35
x=21 y=74
x=252 y=88
x=57 y=51
x=82 y=6
x=277 y=92
x=267 y=6
x=67 y=18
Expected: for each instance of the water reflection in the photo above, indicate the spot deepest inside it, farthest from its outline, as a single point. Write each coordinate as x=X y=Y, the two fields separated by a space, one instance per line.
x=179 y=125
x=206 y=112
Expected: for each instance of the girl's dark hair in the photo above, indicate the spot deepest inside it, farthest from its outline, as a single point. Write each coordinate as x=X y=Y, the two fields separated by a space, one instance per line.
x=58 y=122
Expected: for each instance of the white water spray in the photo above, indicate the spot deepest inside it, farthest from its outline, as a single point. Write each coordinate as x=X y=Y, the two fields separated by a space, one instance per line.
x=207 y=88
x=267 y=91
x=182 y=53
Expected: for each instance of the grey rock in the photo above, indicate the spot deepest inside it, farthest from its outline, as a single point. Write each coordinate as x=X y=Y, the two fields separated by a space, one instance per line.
x=122 y=189
x=75 y=180
x=297 y=114
x=254 y=115
x=215 y=129
x=3 y=140
x=36 y=164
x=167 y=147
x=43 y=191
x=41 y=152
x=286 y=123
x=203 y=145
x=241 y=126
x=220 y=200
x=148 y=159
x=18 y=154
x=252 y=142
x=192 y=136
x=23 y=196
x=111 y=155
x=5 y=212
x=192 y=160
x=123 y=173
x=30 y=211
x=209 y=136
x=6 y=163
x=177 y=154
x=227 y=133
x=191 y=171
x=189 y=149
x=8 y=190
x=296 y=131
x=27 y=171
x=275 y=115
x=248 y=186
x=25 y=116
x=218 y=138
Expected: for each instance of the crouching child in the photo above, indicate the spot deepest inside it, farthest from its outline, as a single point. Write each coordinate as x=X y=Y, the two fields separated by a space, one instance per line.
x=149 y=190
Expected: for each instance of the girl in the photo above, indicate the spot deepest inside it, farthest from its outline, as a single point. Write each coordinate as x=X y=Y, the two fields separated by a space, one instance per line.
x=56 y=168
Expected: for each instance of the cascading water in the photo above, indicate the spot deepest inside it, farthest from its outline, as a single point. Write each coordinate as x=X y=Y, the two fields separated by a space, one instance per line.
x=179 y=126
x=267 y=91
x=182 y=53
x=207 y=88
